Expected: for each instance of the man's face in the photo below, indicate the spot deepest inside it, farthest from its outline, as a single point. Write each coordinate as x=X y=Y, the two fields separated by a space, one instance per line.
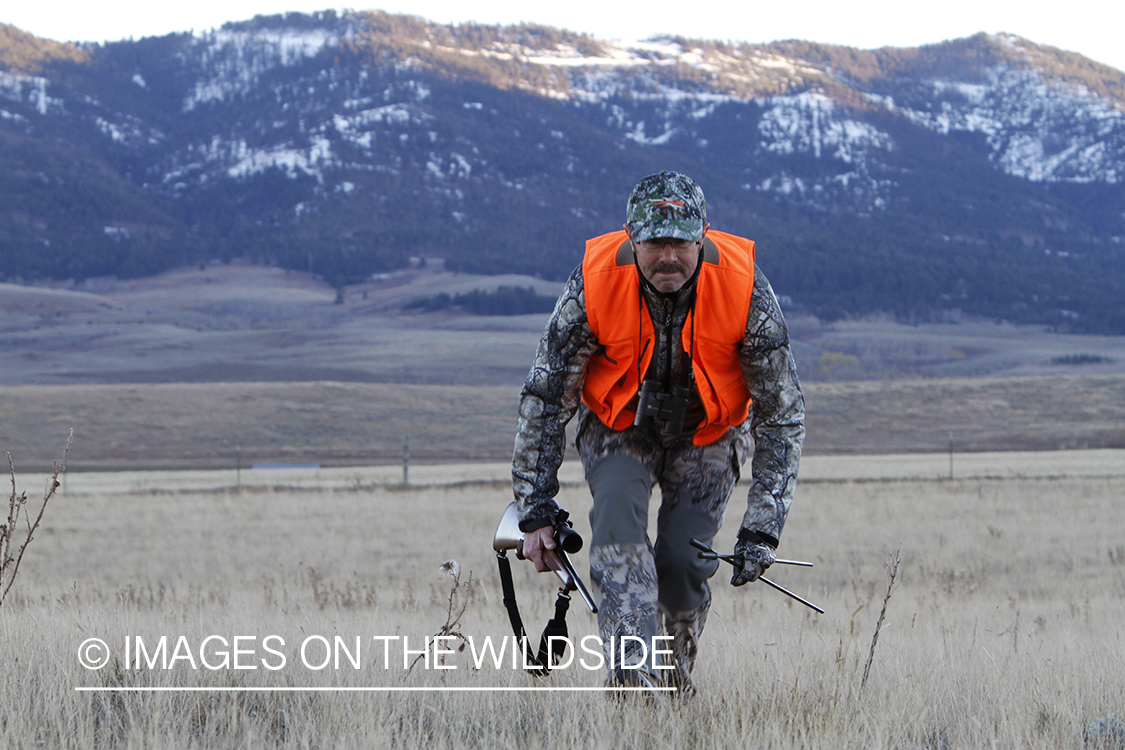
x=668 y=263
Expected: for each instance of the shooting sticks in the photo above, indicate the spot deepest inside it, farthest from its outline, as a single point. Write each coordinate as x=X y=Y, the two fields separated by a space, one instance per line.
x=706 y=553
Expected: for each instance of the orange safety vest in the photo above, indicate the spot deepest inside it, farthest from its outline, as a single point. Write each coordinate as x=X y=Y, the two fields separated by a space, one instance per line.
x=615 y=311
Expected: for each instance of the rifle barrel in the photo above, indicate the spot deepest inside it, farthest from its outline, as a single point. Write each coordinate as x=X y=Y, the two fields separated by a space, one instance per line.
x=575 y=581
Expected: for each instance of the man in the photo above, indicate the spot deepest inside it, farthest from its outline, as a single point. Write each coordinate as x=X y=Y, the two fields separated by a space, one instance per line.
x=685 y=311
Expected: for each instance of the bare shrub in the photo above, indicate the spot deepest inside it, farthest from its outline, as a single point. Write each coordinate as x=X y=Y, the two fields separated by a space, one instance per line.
x=17 y=507
x=452 y=626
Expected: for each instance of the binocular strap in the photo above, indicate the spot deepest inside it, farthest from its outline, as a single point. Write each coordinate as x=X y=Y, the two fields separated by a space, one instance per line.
x=556 y=626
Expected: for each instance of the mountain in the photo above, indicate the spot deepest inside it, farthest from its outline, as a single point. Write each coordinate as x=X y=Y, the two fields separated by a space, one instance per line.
x=983 y=175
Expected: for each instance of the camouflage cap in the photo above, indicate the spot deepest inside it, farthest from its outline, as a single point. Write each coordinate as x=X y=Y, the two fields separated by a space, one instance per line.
x=666 y=204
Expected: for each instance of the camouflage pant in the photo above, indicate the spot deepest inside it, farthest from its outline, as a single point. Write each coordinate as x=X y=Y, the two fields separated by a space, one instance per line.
x=639 y=582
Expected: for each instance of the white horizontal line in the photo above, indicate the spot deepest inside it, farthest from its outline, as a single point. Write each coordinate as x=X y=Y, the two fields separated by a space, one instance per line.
x=371 y=689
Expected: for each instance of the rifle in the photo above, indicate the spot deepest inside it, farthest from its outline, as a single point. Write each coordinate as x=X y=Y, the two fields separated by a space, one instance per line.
x=568 y=541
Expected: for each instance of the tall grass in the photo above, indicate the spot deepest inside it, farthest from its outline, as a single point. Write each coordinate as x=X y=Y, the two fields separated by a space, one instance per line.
x=1004 y=629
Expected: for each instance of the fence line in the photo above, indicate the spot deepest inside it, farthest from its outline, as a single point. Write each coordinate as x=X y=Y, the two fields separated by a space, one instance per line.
x=1103 y=463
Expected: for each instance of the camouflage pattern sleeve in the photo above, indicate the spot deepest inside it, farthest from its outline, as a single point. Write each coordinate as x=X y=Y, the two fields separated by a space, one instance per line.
x=777 y=419
x=549 y=399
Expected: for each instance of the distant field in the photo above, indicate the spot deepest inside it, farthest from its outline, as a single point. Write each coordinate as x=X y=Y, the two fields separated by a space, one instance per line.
x=217 y=425
x=252 y=324
x=206 y=368
x=1003 y=629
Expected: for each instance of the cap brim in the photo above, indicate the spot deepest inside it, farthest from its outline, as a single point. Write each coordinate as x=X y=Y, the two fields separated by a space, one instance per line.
x=686 y=229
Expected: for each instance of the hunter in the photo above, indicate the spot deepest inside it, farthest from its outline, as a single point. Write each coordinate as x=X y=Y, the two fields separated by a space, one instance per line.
x=670 y=345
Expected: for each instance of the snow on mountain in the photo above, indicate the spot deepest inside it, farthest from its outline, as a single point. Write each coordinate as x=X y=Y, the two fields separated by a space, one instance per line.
x=250 y=161
x=234 y=60
x=31 y=90
x=812 y=124
x=340 y=142
x=658 y=93
x=808 y=123
x=1036 y=129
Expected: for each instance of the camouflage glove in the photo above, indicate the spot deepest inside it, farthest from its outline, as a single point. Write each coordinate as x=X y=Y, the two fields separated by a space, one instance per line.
x=756 y=557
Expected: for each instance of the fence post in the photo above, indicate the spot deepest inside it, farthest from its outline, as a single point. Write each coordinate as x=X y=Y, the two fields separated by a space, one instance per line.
x=951 y=455
x=405 y=460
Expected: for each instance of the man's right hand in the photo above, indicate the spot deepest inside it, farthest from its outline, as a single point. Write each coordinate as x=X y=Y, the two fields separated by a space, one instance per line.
x=535 y=543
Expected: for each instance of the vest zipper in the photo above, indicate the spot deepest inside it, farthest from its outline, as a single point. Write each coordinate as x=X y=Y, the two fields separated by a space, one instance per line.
x=667 y=343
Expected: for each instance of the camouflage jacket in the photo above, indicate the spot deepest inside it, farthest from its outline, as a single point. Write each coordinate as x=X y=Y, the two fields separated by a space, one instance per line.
x=552 y=394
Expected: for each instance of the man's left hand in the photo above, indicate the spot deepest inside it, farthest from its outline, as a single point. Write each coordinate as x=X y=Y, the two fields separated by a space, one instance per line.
x=755 y=559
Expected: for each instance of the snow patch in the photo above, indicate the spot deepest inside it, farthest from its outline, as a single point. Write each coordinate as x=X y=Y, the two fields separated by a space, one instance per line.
x=810 y=123
x=292 y=161
x=29 y=89
x=455 y=167
x=1038 y=130
x=615 y=54
x=637 y=135
x=237 y=59
x=807 y=123
x=463 y=168
x=111 y=130
x=392 y=114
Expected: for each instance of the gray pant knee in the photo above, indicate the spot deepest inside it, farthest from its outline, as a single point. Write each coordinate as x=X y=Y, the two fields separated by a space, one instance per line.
x=621 y=486
x=682 y=575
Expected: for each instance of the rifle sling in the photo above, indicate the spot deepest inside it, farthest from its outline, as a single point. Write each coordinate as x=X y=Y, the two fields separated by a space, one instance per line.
x=556 y=626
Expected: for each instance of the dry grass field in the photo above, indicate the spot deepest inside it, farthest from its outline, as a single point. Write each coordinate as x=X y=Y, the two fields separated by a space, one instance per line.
x=1004 y=628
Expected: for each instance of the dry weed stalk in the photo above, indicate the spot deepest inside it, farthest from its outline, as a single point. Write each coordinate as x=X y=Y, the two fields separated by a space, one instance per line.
x=452 y=624
x=17 y=504
x=892 y=571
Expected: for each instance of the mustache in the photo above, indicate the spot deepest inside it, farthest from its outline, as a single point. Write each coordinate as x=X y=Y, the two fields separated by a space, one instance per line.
x=669 y=268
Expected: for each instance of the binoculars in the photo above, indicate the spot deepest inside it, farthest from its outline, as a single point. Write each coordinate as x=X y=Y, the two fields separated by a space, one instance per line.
x=654 y=403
